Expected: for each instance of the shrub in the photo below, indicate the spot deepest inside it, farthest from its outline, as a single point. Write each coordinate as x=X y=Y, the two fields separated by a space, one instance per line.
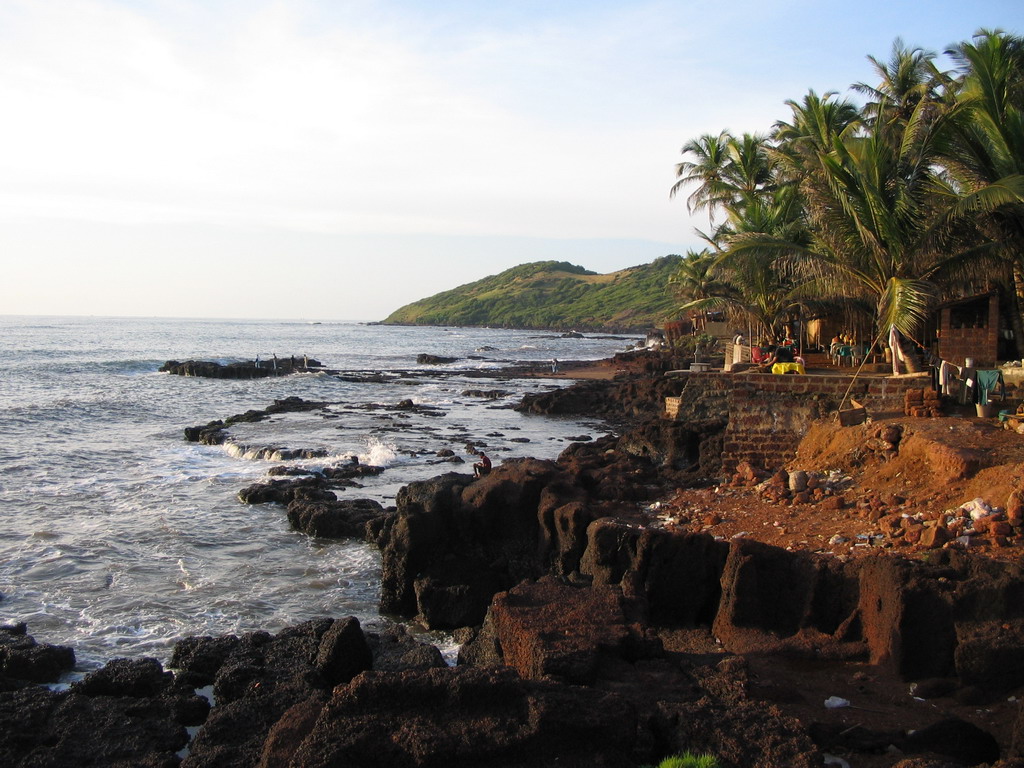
x=688 y=760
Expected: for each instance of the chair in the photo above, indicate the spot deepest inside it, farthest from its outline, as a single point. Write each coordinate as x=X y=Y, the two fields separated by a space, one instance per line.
x=857 y=353
x=845 y=352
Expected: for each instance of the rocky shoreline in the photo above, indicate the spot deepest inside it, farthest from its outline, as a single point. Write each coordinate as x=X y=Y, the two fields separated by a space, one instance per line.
x=592 y=632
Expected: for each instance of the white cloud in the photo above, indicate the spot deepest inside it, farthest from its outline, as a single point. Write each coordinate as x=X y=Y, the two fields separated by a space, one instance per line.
x=195 y=129
x=349 y=129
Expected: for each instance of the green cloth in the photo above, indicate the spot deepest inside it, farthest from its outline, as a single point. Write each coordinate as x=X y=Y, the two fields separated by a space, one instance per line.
x=987 y=381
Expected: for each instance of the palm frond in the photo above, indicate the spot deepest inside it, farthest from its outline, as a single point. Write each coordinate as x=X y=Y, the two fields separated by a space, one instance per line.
x=905 y=304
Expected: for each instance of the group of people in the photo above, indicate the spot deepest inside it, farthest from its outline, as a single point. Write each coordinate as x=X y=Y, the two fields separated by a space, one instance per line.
x=782 y=357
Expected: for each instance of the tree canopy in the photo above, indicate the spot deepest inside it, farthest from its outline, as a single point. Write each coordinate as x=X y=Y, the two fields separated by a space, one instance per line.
x=914 y=196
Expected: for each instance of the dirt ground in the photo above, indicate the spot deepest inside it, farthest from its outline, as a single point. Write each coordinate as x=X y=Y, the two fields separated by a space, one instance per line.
x=880 y=703
x=921 y=480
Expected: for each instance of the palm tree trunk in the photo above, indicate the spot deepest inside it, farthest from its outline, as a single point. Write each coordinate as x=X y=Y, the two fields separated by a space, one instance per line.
x=908 y=354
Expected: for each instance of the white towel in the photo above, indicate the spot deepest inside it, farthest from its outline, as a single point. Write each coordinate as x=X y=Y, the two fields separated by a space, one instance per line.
x=897 y=353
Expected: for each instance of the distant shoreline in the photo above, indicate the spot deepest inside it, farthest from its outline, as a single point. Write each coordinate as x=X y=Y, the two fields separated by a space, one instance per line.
x=625 y=331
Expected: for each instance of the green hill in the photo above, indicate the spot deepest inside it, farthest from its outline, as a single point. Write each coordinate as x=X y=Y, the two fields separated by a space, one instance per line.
x=554 y=295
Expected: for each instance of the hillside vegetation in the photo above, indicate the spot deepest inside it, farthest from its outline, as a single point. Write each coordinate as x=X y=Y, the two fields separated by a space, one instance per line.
x=554 y=295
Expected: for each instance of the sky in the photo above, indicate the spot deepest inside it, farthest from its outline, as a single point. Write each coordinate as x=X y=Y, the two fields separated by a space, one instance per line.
x=337 y=159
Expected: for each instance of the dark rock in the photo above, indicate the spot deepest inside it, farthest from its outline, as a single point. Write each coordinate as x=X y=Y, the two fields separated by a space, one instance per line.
x=664 y=562
x=203 y=656
x=343 y=652
x=260 y=677
x=425 y=359
x=249 y=369
x=137 y=678
x=22 y=658
x=990 y=654
x=551 y=629
x=564 y=517
x=770 y=594
x=742 y=733
x=487 y=394
x=907 y=620
x=406 y=719
x=481 y=648
x=286 y=491
x=334 y=519
x=957 y=739
x=215 y=432
x=395 y=650
x=1017 y=739
x=456 y=542
x=289 y=731
x=44 y=728
x=350 y=470
x=611 y=550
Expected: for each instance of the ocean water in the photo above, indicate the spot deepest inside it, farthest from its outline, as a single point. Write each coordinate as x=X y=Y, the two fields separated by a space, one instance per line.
x=118 y=537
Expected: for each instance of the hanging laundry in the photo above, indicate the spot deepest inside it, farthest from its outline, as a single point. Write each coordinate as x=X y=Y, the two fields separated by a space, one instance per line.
x=987 y=382
x=946 y=377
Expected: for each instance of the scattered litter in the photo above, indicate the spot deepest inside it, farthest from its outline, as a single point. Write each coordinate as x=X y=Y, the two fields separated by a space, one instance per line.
x=741 y=534
x=870 y=538
x=835 y=760
x=837 y=539
x=836 y=702
x=976 y=509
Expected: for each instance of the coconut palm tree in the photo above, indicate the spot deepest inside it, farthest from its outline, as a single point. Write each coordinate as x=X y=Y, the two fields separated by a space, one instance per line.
x=883 y=222
x=749 y=289
x=706 y=172
x=881 y=207
x=727 y=173
x=986 y=145
x=908 y=78
x=816 y=122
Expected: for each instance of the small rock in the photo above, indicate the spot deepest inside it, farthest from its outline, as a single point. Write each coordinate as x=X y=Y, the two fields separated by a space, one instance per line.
x=1014 y=507
x=934 y=537
x=798 y=481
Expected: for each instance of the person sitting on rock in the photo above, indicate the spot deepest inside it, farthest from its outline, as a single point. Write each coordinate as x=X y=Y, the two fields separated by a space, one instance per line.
x=482 y=467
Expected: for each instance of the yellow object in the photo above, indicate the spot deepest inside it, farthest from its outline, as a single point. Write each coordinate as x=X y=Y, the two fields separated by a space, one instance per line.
x=780 y=368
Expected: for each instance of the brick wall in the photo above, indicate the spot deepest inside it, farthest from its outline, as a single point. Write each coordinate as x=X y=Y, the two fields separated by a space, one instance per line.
x=769 y=415
x=982 y=344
